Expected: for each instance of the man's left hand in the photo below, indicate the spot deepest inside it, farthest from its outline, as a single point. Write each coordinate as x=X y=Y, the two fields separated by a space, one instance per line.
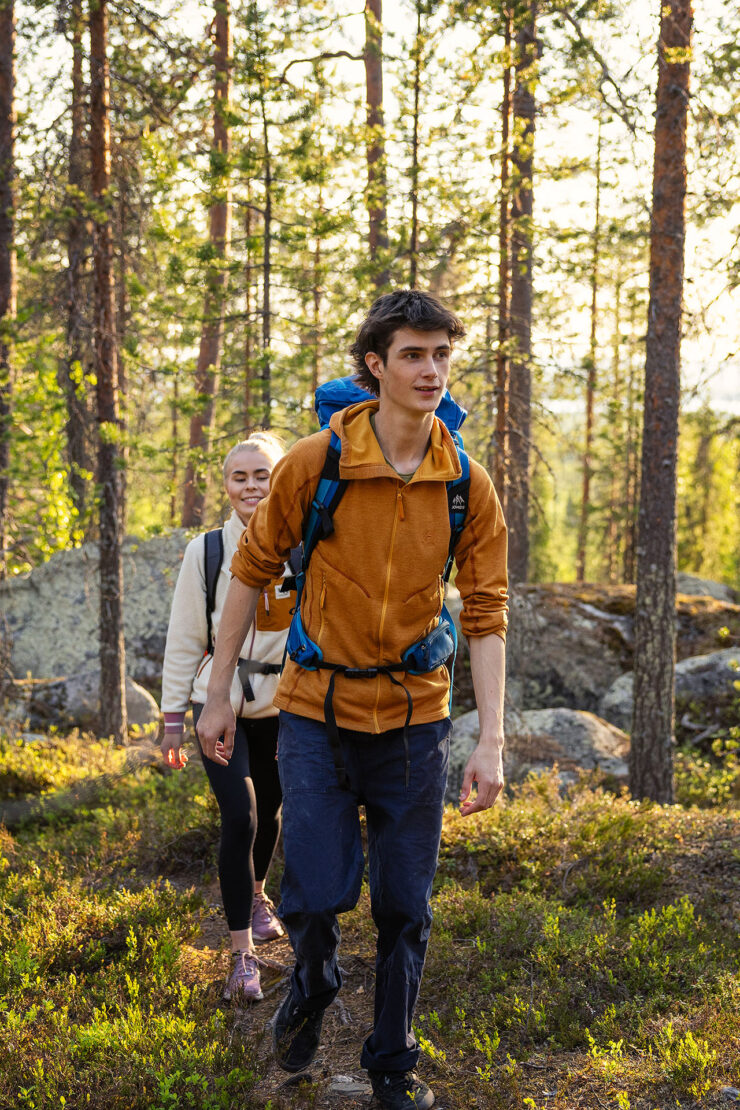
x=485 y=767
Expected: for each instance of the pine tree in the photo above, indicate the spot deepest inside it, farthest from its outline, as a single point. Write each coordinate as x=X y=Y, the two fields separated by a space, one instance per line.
x=7 y=257
x=110 y=475
x=376 y=166
x=520 y=310
x=73 y=365
x=651 y=751
x=219 y=234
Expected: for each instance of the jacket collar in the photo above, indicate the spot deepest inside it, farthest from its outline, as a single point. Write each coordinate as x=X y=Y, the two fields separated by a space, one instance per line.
x=232 y=529
x=362 y=457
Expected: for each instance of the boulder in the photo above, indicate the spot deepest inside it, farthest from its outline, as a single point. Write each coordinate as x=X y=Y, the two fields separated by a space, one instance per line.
x=52 y=613
x=701 y=678
x=568 y=644
x=75 y=702
x=536 y=739
x=693 y=586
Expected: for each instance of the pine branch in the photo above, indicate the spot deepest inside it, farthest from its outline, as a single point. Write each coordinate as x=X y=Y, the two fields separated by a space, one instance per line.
x=318 y=58
x=624 y=111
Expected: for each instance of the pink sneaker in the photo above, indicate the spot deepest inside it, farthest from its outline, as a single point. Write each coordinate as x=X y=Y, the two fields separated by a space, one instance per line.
x=266 y=924
x=244 y=982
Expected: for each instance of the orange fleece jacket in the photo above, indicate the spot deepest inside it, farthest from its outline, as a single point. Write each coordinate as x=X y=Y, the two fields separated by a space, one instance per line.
x=375 y=586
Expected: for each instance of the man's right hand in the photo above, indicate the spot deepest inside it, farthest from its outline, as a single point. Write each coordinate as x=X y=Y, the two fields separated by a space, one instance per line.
x=216 y=727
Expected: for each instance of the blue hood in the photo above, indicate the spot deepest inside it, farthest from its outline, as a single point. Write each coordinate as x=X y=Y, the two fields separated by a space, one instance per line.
x=340 y=393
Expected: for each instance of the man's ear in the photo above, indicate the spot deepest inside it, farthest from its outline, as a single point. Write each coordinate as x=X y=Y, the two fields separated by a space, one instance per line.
x=374 y=364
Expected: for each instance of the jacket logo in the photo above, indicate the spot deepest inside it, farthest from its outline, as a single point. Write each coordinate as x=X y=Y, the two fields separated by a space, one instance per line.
x=458 y=503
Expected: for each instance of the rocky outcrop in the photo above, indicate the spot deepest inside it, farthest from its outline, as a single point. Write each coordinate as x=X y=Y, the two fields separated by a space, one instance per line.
x=51 y=615
x=537 y=739
x=693 y=586
x=700 y=679
x=568 y=644
x=74 y=702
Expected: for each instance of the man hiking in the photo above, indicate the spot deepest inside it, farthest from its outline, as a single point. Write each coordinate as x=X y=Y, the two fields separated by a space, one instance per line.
x=364 y=697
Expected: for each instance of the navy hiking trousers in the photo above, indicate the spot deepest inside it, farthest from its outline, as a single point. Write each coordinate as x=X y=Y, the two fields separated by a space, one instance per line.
x=324 y=864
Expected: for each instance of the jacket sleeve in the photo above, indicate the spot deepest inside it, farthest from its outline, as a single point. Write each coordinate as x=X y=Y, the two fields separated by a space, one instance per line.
x=277 y=523
x=480 y=556
x=187 y=634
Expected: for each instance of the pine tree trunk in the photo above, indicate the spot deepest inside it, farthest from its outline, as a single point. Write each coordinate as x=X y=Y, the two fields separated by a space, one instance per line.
x=414 y=238
x=219 y=235
x=500 y=470
x=122 y=320
x=631 y=476
x=266 y=372
x=376 y=170
x=175 y=457
x=316 y=296
x=651 y=753
x=520 y=314
x=590 y=378
x=615 y=510
x=248 y=312
x=7 y=258
x=112 y=651
x=72 y=368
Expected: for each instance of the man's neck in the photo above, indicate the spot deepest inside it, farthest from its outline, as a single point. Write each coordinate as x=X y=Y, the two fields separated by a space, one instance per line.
x=403 y=438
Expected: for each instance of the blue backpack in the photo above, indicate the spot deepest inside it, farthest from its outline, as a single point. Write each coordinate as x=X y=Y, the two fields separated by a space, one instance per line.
x=436 y=649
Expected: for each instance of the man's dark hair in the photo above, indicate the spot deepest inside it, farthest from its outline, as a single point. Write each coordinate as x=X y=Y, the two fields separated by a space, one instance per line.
x=406 y=308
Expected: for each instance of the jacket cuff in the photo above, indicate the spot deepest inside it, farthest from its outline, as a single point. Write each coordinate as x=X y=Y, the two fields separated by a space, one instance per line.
x=483 y=628
x=174 y=722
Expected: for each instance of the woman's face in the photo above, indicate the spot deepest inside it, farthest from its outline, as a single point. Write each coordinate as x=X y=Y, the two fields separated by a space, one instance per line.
x=247 y=482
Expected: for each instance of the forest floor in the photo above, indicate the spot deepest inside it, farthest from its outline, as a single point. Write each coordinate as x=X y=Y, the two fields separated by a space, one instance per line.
x=585 y=951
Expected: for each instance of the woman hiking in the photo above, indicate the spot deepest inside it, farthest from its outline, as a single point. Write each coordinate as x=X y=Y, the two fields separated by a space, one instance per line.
x=247 y=789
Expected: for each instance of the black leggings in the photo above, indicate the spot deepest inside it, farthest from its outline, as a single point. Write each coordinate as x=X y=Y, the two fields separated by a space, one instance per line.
x=249 y=798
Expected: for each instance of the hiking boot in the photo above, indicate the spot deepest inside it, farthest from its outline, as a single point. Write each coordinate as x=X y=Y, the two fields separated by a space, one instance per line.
x=401 y=1090
x=266 y=925
x=244 y=982
x=295 y=1034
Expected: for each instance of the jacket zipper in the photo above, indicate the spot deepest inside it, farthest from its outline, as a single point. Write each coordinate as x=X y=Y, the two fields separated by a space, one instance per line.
x=399 y=513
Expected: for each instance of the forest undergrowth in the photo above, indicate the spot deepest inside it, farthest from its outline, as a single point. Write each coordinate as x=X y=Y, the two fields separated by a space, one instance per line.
x=585 y=950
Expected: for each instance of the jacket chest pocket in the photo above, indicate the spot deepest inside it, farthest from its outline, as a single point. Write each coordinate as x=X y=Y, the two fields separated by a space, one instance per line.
x=423 y=606
x=274 y=609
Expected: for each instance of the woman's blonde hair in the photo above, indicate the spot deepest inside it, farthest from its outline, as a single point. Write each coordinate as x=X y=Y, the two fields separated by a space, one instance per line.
x=266 y=442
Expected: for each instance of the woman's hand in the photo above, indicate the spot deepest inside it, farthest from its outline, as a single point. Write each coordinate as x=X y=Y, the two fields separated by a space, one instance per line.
x=171 y=748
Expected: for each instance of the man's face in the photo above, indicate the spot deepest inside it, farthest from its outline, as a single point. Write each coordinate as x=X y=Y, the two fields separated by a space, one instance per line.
x=416 y=369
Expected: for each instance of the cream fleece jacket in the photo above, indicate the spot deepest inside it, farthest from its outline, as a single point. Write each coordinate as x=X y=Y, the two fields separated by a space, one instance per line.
x=186 y=667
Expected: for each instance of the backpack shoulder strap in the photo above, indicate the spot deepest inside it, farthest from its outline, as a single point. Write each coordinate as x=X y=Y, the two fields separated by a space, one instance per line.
x=329 y=492
x=214 y=557
x=458 y=494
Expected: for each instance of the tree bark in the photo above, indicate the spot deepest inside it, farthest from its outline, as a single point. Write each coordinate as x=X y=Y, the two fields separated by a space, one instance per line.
x=651 y=750
x=616 y=511
x=71 y=373
x=266 y=371
x=414 y=237
x=219 y=235
x=631 y=475
x=7 y=258
x=587 y=464
x=520 y=314
x=500 y=469
x=248 y=312
x=112 y=651
x=376 y=168
x=316 y=296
